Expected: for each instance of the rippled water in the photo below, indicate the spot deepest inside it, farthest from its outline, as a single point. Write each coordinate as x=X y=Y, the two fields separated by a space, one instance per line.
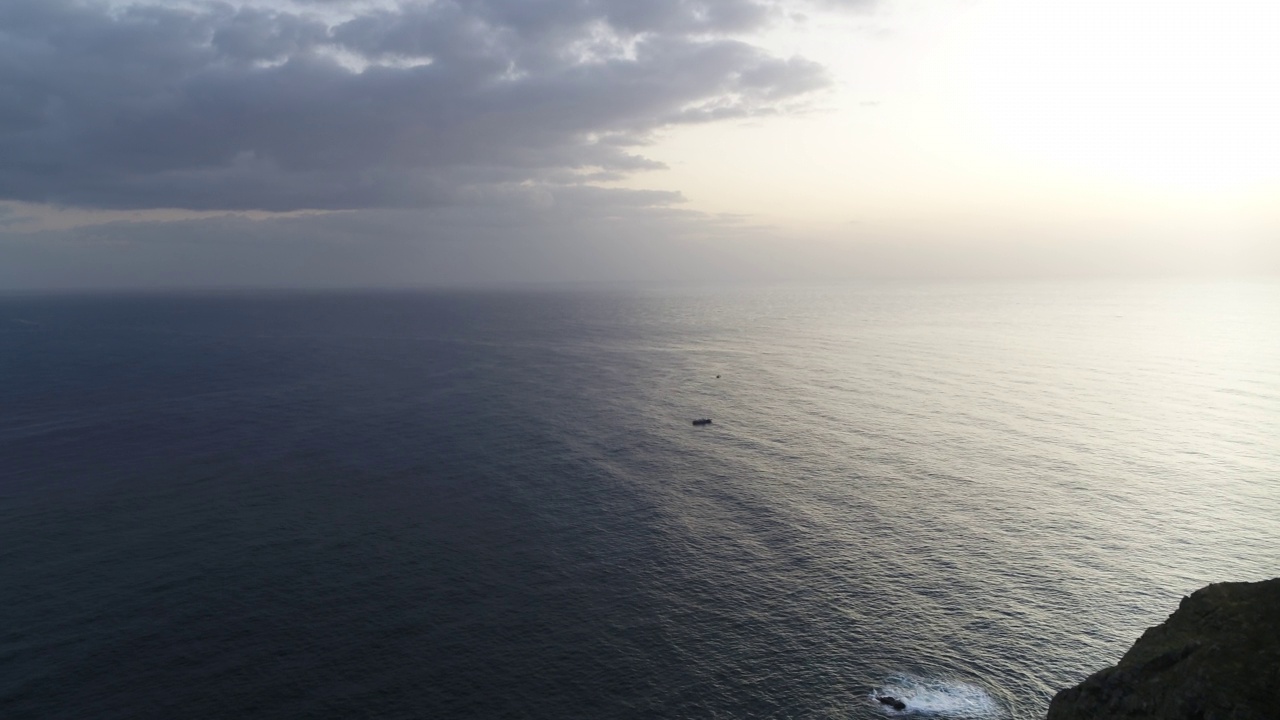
x=494 y=504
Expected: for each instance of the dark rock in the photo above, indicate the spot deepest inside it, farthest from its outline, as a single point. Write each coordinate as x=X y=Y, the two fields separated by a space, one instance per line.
x=892 y=702
x=1216 y=658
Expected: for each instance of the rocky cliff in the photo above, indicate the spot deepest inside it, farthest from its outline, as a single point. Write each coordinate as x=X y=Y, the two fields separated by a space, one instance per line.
x=1216 y=658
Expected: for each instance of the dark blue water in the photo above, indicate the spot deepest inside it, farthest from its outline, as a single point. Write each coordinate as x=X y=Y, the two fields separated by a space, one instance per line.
x=494 y=504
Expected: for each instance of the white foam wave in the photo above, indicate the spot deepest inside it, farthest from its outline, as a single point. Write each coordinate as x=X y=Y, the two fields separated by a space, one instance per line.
x=938 y=697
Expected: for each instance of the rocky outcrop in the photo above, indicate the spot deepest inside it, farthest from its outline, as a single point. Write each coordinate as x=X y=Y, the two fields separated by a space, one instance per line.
x=892 y=702
x=1216 y=658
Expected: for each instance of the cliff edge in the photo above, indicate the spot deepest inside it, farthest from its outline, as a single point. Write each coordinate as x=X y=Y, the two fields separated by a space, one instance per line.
x=1217 y=657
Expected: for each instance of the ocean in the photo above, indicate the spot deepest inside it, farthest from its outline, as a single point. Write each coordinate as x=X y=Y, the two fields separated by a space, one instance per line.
x=493 y=504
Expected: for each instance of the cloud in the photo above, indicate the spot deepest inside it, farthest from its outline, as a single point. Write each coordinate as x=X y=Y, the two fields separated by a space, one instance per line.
x=355 y=105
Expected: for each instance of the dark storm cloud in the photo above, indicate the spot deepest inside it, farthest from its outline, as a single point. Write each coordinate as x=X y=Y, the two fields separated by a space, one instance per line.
x=289 y=106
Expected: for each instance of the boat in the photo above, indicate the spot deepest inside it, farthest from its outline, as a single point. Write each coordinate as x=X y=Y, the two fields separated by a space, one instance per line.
x=702 y=421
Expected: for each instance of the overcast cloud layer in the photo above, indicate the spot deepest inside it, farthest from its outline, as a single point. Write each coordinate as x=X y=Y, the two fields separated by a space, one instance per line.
x=331 y=104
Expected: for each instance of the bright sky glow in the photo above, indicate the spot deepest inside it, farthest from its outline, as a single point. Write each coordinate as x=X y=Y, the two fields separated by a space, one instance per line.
x=1154 y=114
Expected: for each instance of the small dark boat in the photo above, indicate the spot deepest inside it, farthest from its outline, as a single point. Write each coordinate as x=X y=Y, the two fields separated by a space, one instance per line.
x=702 y=421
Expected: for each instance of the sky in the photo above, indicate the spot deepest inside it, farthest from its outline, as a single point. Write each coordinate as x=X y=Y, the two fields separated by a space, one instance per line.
x=350 y=143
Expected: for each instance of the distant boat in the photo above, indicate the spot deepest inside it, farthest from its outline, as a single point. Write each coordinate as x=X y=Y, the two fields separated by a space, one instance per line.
x=702 y=421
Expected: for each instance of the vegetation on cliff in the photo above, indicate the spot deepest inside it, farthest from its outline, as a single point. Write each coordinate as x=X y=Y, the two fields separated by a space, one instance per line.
x=1216 y=658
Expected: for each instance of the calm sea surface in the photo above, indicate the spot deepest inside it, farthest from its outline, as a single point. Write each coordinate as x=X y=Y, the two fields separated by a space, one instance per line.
x=494 y=505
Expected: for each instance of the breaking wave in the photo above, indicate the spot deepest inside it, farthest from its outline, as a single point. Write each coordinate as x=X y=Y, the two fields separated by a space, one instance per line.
x=939 y=697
